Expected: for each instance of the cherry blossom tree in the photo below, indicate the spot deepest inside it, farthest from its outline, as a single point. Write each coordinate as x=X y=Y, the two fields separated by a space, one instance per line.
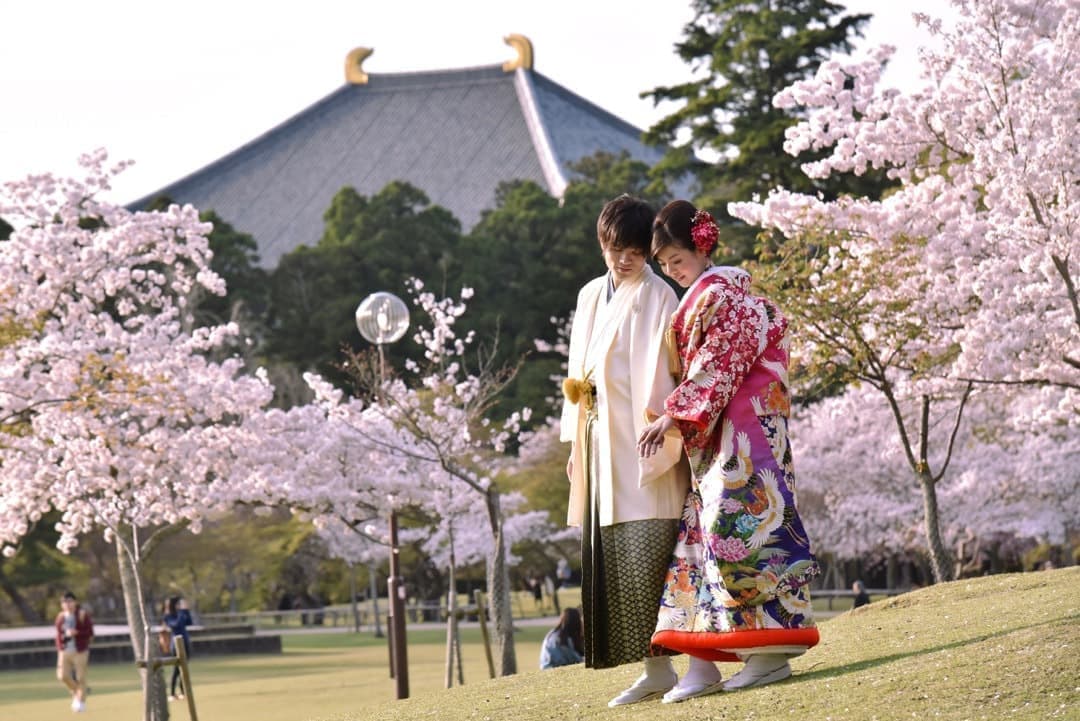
x=988 y=209
x=357 y=544
x=342 y=464
x=461 y=535
x=849 y=327
x=345 y=462
x=113 y=409
x=334 y=458
x=446 y=415
x=964 y=278
x=453 y=529
x=1002 y=482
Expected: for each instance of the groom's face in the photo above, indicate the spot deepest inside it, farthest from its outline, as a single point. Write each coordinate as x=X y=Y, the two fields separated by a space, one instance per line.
x=624 y=263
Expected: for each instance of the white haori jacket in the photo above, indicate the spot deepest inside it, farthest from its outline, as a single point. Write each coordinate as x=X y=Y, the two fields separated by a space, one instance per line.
x=619 y=345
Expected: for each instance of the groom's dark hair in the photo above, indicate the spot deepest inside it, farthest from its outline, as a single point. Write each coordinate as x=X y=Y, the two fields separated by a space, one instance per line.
x=626 y=222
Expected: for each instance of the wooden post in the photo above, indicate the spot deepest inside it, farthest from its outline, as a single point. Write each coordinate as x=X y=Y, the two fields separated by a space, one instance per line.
x=457 y=651
x=481 y=614
x=185 y=677
x=180 y=660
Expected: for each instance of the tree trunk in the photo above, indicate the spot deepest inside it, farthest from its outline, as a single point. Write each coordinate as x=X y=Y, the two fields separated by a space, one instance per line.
x=453 y=632
x=498 y=580
x=196 y=588
x=940 y=563
x=156 y=708
x=831 y=578
x=451 y=615
x=353 y=606
x=29 y=615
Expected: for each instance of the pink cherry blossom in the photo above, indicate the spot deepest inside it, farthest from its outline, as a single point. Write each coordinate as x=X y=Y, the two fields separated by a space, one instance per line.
x=115 y=410
x=957 y=291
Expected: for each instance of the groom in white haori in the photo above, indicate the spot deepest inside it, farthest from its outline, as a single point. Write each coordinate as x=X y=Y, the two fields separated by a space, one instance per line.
x=628 y=507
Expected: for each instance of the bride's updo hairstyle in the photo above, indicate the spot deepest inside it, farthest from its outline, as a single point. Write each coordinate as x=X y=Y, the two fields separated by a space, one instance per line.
x=672 y=227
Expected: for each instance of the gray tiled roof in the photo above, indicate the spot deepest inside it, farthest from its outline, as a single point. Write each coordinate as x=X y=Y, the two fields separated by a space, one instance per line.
x=455 y=134
x=579 y=128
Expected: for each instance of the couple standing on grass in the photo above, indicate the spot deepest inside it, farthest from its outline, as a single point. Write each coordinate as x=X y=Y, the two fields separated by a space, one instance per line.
x=680 y=470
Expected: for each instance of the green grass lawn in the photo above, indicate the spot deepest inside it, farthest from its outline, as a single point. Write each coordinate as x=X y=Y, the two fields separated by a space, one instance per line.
x=1000 y=647
x=317 y=674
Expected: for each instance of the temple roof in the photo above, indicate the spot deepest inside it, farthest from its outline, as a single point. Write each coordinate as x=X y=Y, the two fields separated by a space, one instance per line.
x=455 y=134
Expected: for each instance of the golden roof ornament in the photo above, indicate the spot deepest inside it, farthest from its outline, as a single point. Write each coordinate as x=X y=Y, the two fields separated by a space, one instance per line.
x=354 y=72
x=524 y=49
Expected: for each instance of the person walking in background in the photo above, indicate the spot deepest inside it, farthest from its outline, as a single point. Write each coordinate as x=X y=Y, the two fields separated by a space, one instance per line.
x=74 y=632
x=628 y=509
x=551 y=593
x=537 y=591
x=742 y=565
x=563 y=645
x=177 y=618
x=861 y=596
x=562 y=570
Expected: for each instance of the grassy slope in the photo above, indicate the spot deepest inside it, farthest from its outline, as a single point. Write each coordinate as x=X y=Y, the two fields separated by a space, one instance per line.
x=1000 y=647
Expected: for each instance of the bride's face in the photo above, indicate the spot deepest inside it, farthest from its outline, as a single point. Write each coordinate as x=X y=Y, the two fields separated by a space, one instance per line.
x=682 y=265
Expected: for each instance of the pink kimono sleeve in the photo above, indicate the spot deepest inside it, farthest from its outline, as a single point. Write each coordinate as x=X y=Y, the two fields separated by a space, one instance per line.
x=717 y=368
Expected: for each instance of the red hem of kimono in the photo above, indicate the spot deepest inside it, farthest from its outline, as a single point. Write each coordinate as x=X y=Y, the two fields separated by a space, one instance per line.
x=713 y=646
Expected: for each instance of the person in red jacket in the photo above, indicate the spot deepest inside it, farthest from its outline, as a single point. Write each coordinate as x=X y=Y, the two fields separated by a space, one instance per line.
x=74 y=631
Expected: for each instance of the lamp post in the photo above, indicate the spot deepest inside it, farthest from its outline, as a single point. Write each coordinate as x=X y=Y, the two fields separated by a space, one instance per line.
x=383 y=318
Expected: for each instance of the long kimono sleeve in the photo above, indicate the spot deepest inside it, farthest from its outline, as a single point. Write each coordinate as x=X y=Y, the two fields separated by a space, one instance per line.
x=731 y=341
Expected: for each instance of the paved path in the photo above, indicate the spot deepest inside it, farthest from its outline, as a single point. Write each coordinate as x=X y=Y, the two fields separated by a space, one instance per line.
x=37 y=633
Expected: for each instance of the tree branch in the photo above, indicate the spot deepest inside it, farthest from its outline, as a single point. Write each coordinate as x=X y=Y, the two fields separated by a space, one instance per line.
x=159 y=535
x=1062 y=266
x=886 y=389
x=955 y=430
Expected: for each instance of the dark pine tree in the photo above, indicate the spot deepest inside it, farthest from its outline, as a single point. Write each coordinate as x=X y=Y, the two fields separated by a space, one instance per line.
x=743 y=53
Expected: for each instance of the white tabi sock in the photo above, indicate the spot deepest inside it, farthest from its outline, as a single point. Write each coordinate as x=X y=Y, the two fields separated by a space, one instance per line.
x=660 y=669
x=700 y=673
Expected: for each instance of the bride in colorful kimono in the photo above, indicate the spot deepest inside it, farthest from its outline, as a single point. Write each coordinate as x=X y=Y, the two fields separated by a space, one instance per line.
x=628 y=507
x=738 y=584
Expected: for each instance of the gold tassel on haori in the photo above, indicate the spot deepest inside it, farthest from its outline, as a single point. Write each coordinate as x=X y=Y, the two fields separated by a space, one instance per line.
x=577 y=390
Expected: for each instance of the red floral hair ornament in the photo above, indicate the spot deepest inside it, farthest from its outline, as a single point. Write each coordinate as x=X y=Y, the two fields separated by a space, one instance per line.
x=704 y=232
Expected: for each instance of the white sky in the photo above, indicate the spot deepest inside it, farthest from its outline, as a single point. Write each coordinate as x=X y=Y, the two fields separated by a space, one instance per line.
x=176 y=85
